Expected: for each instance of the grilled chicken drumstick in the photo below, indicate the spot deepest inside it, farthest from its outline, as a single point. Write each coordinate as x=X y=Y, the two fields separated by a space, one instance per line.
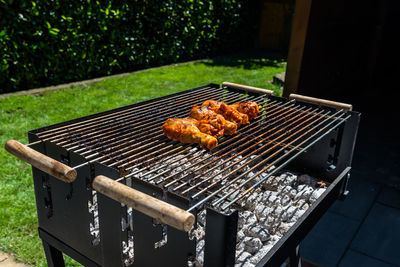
x=250 y=108
x=228 y=112
x=186 y=131
x=211 y=120
x=214 y=123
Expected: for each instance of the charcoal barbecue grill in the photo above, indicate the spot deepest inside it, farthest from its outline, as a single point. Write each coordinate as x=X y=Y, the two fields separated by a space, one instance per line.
x=148 y=190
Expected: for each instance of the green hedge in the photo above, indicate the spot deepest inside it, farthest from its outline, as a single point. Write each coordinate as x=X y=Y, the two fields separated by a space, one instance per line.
x=51 y=42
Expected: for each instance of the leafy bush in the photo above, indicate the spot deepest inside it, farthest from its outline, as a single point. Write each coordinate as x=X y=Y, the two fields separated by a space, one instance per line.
x=54 y=41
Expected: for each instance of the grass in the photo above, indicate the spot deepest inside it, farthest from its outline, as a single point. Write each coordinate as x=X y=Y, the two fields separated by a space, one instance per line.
x=21 y=113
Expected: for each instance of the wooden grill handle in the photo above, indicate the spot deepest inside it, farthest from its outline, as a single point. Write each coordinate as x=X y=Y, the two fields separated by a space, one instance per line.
x=322 y=102
x=42 y=162
x=248 y=88
x=153 y=207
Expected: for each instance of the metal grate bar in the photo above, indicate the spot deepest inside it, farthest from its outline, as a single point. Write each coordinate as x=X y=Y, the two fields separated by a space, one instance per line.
x=231 y=142
x=266 y=151
x=127 y=124
x=116 y=114
x=116 y=149
x=221 y=144
x=262 y=138
x=224 y=139
x=323 y=134
x=241 y=149
x=129 y=131
x=318 y=125
x=125 y=161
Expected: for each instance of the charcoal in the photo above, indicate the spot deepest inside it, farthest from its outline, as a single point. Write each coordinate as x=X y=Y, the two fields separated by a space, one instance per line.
x=247 y=217
x=242 y=256
x=260 y=254
x=257 y=231
x=316 y=194
x=252 y=244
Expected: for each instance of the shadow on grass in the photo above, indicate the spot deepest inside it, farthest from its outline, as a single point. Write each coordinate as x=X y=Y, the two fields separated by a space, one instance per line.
x=254 y=59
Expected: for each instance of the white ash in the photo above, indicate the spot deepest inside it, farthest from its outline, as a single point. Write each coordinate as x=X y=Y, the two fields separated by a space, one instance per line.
x=265 y=215
x=289 y=191
x=316 y=194
x=260 y=254
x=269 y=212
x=244 y=264
x=250 y=202
x=288 y=178
x=246 y=218
x=271 y=184
x=128 y=247
x=200 y=253
x=304 y=192
x=257 y=231
x=201 y=217
x=197 y=233
x=128 y=251
x=242 y=257
x=301 y=204
x=251 y=244
x=285 y=200
x=240 y=236
x=94 y=227
x=261 y=211
x=233 y=195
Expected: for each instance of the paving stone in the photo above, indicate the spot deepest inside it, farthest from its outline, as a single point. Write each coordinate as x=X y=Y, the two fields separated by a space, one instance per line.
x=7 y=260
x=390 y=196
x=327 y=241
x=377 y=154
x=279 y=78
x=379 y=235
x=353 y=258
x=358 y=202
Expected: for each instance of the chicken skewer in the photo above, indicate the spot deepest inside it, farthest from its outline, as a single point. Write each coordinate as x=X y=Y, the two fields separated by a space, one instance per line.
x=186 y=131
x=227 y=112
x=250 y=108
x=217 y=125
x=209 y=121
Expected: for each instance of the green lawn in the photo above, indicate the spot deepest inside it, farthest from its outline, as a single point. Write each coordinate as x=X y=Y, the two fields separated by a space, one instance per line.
x=18 y=114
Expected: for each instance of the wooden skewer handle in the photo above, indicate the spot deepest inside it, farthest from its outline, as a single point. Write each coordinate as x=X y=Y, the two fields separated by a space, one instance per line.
x=42 y=162
x=153 y=207
x=248 y=88
x=322 y=102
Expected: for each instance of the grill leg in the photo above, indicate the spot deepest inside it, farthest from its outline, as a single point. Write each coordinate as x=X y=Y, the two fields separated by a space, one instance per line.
x=294 y=258
x=54 y=256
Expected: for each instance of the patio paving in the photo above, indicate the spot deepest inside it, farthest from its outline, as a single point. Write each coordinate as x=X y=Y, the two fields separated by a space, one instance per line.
x=364 y=229
x=353 y=258
x=7 y=260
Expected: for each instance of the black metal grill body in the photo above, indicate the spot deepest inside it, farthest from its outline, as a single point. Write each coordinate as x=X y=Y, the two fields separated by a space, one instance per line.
x=64 y=218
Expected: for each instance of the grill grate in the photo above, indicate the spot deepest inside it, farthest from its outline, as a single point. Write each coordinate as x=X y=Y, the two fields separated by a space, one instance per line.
x=131 y=140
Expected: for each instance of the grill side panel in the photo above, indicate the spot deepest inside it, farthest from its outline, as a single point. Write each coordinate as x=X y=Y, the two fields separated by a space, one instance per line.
x=146 y=232
x=220 y=241
x=63 y=208
x=110 y=214
x=331 y=155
